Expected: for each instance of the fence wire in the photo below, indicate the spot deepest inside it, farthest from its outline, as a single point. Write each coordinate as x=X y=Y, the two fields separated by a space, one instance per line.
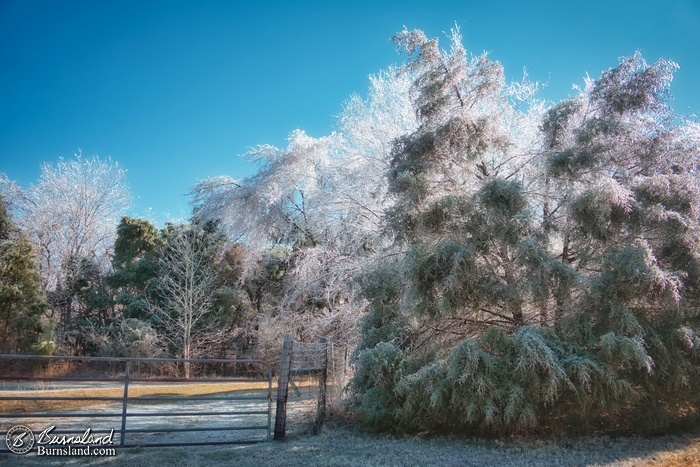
x=309 y=360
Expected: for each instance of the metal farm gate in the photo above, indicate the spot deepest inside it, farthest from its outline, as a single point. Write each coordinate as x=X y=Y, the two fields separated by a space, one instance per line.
x=135 y=401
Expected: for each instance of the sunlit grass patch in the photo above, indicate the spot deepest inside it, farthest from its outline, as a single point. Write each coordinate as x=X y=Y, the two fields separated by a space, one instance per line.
x=135 y=391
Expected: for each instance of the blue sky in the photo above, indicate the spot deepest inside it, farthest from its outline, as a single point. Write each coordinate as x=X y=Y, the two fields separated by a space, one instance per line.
x=176 y=90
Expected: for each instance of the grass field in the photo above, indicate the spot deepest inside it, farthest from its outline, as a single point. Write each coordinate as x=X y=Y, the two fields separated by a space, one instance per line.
x=343 y=444
x=135 y=391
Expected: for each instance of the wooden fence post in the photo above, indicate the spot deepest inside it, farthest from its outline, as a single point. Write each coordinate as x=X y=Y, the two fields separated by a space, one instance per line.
x=283 y=387
x=322 y=385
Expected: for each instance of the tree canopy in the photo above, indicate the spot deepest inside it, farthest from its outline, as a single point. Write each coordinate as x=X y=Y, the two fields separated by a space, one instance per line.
x=548 y=269
x=516 y=265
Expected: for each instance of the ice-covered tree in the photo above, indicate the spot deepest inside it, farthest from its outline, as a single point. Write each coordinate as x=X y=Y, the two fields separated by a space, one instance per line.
x=548 y=274
x=324 y=199
x=73 y=211
x=71 y=216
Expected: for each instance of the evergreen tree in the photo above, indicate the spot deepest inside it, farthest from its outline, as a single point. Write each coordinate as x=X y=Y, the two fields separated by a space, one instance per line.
x=548 y=271
x=137 y=249
x=21 y=299
x=90 y=299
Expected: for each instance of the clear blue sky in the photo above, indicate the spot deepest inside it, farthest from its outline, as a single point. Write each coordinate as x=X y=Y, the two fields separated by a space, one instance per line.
x=176 y=90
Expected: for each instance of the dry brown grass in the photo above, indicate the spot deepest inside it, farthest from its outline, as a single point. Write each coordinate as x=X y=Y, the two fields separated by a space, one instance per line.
x=135 y=391
x=681 y=457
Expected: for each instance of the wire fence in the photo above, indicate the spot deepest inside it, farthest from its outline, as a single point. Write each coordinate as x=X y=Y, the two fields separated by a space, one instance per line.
x=318 y=374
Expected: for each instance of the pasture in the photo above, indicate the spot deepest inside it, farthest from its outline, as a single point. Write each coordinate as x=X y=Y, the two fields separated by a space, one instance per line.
x=342 y=443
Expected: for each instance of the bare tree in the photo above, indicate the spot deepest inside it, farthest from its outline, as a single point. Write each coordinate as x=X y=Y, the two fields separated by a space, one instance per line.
x=183 y=305
x=73 y=212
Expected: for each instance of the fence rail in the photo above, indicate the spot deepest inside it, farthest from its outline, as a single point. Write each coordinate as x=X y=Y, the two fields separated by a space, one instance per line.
x=246 y=413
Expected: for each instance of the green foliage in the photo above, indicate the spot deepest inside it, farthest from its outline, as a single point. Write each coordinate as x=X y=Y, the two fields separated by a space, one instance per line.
x=22 y=300
x=385 y=324
x=503 y=197
x=550 y=287
x=137 y=239
x=263 y=288
x=380 y=369
x=85 y=301
x=137 y=250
